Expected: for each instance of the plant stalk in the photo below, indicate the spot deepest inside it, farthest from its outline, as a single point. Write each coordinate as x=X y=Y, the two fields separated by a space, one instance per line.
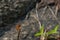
x=42 y=37
x=18 y=35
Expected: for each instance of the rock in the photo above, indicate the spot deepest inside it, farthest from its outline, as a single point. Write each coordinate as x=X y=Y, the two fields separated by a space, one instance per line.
x=12 y=10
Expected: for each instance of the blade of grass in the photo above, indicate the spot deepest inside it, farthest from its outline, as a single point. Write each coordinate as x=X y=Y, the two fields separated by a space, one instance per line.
x=53 y=31
x=41 y=31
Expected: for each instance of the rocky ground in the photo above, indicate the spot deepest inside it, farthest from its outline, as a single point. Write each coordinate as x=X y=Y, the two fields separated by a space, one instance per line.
x=16 y=12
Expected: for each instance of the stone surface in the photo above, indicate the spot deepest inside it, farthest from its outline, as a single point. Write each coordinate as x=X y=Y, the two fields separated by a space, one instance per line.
x=11 y=10
x=11 y=15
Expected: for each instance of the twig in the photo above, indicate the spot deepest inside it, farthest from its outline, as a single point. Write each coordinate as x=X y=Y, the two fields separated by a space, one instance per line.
x=37 y=16
x=18 y=28
x=44 y=11
x=56 y=10
x=18 y=35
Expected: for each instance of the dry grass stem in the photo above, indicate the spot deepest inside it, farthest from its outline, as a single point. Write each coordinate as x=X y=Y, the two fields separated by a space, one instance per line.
x=44 y=11
x=54 y=15
x=56 y=10
x=37 y=15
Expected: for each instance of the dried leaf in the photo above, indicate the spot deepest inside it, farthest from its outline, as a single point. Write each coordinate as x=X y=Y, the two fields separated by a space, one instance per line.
x=18 y=27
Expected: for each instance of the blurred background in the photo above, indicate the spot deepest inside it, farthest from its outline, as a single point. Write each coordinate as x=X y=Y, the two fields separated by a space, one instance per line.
x=23 y=12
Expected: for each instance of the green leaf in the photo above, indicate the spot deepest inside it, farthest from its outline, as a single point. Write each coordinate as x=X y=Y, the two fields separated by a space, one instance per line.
x=38 y=34
x=41 y=31
x=53 y=31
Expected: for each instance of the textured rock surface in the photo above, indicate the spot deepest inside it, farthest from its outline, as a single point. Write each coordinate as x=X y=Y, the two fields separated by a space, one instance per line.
x=30 y=26
x=11 y=10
